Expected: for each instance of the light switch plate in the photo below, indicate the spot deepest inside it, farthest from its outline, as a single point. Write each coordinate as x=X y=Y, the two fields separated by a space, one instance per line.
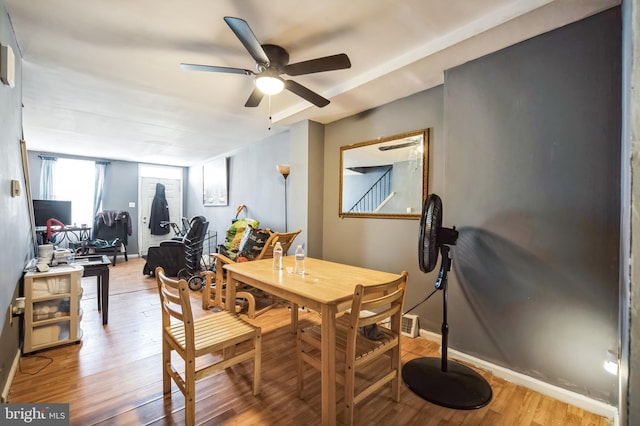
x=15 y=188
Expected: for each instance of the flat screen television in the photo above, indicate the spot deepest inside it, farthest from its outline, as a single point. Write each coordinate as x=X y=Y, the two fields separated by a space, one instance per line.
x=44 y=210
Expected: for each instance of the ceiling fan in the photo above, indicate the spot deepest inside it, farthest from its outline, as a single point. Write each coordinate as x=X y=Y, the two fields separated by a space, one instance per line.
x=271 y=62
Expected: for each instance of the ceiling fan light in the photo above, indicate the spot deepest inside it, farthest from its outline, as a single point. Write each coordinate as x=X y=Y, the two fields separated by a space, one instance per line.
x=269 y=85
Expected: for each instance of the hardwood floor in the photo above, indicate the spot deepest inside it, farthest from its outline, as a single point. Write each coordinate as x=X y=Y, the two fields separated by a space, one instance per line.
x=114 y=377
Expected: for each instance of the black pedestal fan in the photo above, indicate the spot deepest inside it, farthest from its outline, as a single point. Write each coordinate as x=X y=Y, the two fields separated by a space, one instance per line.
x=445 y=383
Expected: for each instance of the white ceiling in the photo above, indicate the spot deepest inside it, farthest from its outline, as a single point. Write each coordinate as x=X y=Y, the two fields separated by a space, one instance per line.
x=101 y=78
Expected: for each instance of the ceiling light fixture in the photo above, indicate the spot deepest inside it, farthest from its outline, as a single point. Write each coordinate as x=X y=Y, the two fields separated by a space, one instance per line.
x=269 y=84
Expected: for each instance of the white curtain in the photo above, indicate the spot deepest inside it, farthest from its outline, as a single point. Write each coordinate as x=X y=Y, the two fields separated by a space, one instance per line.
x=101 y=171
x=47 y=177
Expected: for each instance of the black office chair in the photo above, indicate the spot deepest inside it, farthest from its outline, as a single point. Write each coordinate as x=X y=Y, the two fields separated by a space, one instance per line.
x=175 y=255
x=111 y=230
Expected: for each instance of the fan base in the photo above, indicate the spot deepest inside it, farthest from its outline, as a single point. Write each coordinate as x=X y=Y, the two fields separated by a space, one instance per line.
x=459 y=387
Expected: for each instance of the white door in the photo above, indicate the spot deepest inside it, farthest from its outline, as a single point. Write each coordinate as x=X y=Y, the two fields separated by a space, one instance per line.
x=173 y=193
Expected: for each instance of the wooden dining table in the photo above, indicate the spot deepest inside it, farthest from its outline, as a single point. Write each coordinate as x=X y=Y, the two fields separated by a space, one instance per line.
x=326 y=287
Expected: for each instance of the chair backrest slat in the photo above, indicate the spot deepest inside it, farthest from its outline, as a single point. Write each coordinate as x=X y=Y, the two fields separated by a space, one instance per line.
x=380 y=302
x=285 y=239
x=176 y=303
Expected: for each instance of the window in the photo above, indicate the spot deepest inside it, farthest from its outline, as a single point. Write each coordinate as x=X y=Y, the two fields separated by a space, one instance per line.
x=75 y=181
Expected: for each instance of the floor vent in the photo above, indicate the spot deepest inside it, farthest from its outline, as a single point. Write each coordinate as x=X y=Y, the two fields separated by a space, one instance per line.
x=410 y=325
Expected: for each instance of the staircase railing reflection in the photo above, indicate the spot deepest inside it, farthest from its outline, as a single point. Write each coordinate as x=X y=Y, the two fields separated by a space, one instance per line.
x=376 y=196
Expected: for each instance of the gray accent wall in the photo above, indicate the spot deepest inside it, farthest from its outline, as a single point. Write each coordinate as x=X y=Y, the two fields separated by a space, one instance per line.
x=15 y=227
x=532 y=181
x=525 y=153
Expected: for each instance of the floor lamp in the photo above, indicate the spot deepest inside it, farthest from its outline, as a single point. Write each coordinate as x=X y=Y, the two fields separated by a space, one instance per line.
x=284 y=170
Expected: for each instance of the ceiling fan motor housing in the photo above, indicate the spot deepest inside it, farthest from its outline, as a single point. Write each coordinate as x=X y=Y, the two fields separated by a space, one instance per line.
x=278 y=57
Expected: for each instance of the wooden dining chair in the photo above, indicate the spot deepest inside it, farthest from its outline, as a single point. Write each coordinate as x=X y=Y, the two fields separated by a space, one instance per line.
x=213 y=295
x=192 y=338
x=371 y=305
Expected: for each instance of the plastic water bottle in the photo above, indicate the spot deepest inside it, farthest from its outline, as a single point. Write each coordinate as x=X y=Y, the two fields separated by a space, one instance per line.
x=277 y=257
x=299 y=264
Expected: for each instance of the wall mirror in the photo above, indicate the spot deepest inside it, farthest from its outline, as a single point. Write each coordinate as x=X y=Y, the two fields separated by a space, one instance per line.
x=386 y=177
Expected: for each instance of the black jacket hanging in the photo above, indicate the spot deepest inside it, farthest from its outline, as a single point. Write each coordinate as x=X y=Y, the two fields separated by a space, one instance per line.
x=159 y=212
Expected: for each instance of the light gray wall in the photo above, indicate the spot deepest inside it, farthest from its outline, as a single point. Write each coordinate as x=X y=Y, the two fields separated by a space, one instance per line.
x=305 y=185
x=121 y=188
x=532 y=177
x=15 y=226
x=253 y=181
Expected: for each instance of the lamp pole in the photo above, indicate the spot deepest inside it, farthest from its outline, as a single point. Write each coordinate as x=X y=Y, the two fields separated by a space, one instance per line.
x=284 y=170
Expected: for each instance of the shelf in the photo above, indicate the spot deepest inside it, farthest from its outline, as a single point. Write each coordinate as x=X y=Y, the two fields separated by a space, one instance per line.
x=51 y=320
x=50 y=297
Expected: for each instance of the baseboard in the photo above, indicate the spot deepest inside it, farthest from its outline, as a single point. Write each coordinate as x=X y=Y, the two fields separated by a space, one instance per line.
x=12 y=372
x=578 y=400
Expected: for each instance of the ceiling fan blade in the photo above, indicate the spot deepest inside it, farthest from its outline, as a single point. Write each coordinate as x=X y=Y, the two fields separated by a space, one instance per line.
x=328 y=63
x=305 y=93
x=247 y=38
x=211 y=68
x=254 y=99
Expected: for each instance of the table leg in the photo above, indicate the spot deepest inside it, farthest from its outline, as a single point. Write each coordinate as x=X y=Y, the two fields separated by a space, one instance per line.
x=328 y=362
x=230 y=293
x=104 y=278
x=230 y=303
x=294 y=317
x=99 y=290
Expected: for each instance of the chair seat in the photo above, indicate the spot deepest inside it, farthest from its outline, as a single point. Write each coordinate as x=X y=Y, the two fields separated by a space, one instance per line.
x=213 y=332
x=364 y=346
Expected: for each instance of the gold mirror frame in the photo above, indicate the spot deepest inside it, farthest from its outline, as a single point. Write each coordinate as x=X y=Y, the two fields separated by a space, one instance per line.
x=398 y=159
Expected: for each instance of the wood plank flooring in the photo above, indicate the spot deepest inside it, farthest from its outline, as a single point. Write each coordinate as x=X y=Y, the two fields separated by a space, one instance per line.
x=114 y=377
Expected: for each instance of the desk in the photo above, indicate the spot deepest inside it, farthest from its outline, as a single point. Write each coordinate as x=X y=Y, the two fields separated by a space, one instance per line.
x=326 y=287
x=98 y=266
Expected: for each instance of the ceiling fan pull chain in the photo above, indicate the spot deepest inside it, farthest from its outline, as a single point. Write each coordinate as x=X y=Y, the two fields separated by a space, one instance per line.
x=270 y=121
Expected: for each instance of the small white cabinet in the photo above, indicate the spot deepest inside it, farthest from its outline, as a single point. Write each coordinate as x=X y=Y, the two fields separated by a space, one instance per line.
x=52 y=307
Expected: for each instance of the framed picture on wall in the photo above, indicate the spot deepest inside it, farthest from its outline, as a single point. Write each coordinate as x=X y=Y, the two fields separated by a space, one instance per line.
x=214 y=183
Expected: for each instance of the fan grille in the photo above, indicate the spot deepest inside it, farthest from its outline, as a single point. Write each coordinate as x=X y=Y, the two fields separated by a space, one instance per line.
x=430 y=222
